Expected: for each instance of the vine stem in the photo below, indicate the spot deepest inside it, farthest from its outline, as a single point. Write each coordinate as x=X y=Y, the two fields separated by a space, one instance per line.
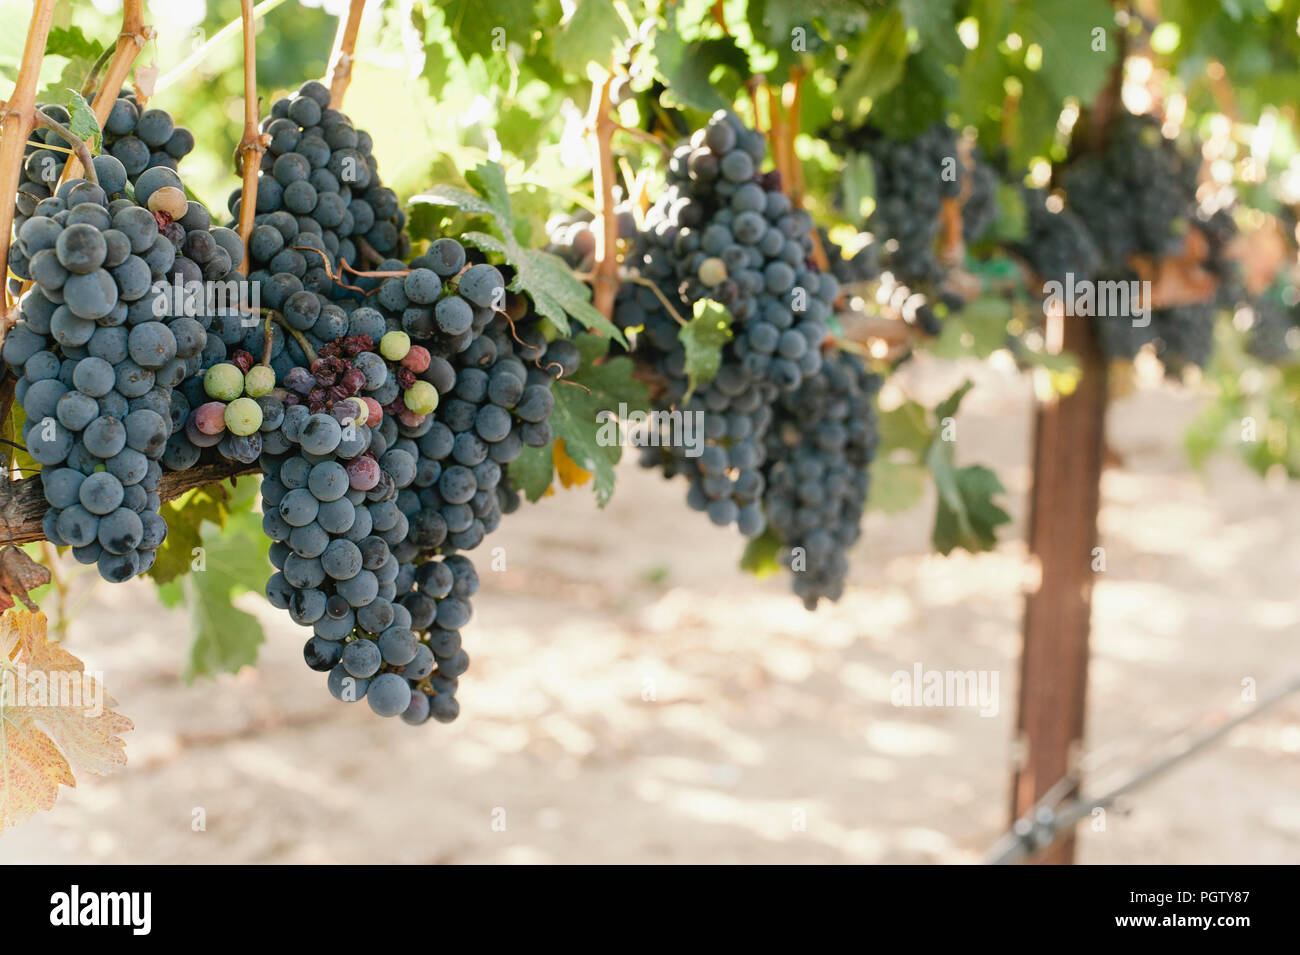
x=248 y=157
x=601 y=127
x=298 y=336
x=79 y=148
x=663 y=299
x=339 y=74
x=16 y=127
x=130 y=41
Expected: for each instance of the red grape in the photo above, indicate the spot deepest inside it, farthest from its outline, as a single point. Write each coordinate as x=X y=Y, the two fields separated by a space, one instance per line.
x=210 y=418
x=363 y=472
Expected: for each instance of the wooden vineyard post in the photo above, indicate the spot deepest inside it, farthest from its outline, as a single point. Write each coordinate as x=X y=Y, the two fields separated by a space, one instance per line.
x=1062 y=535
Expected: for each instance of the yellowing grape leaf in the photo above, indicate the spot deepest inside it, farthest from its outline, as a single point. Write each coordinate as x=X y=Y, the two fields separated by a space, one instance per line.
x=55 y=720
x=568 y=470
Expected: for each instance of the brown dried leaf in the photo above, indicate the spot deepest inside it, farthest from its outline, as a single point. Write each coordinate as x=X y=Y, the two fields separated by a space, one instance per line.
x=146 y=78
x=19 y=574
x=54 y=719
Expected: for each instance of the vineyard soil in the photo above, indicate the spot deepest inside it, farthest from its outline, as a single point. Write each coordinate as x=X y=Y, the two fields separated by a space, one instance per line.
x=762 y=711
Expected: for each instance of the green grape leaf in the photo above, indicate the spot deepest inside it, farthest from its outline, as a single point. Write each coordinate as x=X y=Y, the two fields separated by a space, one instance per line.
x=488 y=29
x=72 y=43
x=591 y=440
x=234 y=562
x=918 y=100
x=896 y=486
x=12 y=454
x=703 y=337
x=1065 y=31
x=979 y=329
x=948 y=407
x=760 y=556
x=532 y=472
x=83 y=123
x=589 y=36
x=1033 y=125
x=877 y=66
x=185 y=517
x=689 y=69
x=934 y=25
x=906 y=428
x=858 y=183
x=966 y=516
x=1011 y=224
x=543 y=277
x=773 y=21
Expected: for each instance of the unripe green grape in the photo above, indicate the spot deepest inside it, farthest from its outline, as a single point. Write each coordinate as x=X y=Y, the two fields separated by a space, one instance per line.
x=394 y=345
x=259 y=381
x=243 y=416
x=421 y=398
x=712 y=271
x=224 y=382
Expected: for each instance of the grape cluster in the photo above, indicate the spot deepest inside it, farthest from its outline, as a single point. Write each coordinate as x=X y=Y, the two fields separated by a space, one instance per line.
x=1056 y=243
x=319 y=196
x=142 y=138
x=1139 y=198
x=912 y=179
x=399 y=434
x=724 y=231
x=100 y=348
x=819 y=449
x=1136 y=197
x=573 y=236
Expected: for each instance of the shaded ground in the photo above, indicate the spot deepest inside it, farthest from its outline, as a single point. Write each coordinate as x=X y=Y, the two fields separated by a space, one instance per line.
x=635 y=698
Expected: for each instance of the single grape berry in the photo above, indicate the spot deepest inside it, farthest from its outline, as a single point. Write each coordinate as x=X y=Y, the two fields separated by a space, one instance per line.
x=259 y=381
x=224 y=382
x=421 y=398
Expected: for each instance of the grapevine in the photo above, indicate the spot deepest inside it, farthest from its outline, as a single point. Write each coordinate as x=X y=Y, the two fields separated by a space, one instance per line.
x=669 y=238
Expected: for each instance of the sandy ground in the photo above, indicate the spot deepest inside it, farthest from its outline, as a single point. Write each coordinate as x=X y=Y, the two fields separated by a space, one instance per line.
x=636 y=698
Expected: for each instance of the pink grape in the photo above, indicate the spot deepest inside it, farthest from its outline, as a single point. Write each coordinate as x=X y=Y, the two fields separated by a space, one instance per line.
x=417 y=359
x=410 y=418
x=210 y=418
x=363 y=472
x=376 y=412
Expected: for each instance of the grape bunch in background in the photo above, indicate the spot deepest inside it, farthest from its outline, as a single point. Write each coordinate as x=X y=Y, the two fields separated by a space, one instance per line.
x=98 y=351
x=724 y=231
x=1138 y=198
x=912 y=180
